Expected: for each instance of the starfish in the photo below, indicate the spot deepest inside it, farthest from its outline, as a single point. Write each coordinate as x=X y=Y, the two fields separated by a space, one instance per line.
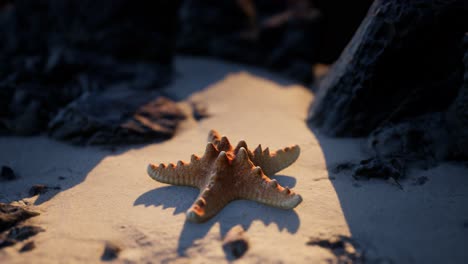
x=224 y=174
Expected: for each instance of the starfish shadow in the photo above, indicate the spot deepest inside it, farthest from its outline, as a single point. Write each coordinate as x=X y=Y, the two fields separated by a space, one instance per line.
x=237 y=212
x=285 y=181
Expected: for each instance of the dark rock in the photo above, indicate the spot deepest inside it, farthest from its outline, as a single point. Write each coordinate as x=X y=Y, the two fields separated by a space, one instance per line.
x=392 y=168
x=385 y=73
x=121 y=28
x=465 y=224
x=28 y=247
x=202 y=22
x=345 y=249
x=24 y=232
x=41 y=189
x=11 y=215
x=286 y=36
x=116 y=117
x=235 y=243
x=412 y=106
x=7 y=174
x=339 y=22
x=56 y=53
x=421 y=138
x=111 y=251
x=420 y=180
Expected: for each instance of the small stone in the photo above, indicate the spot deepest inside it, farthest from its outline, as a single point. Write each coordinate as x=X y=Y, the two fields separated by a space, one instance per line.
x=7 y=174
x=465 y=224
x=420 y=180
x=28 y=247
x=380 y=168
x=111 y=251
x=235 y=243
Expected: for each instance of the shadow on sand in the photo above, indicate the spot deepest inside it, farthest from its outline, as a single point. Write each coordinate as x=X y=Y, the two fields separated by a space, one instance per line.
x=392 y=223
x=238 y=212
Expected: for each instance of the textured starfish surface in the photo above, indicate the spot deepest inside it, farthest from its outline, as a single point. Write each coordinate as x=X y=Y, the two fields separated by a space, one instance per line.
x=225 y=173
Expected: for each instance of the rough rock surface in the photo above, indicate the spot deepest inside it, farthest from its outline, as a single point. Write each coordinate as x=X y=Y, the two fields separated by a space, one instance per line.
x=405 y=60
x=235 y=243
x=402 y=81
x=56 y=53
x=286 y=36
x=128 y=118
x=430 y=137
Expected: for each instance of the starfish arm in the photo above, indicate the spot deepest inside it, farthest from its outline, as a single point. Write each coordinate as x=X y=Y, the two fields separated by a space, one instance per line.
x=186 y=174
x=273 y=162
x=208 y=204
x=180 y=174
x=269 y=192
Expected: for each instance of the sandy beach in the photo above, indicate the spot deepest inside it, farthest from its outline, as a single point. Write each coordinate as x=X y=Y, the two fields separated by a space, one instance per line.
x=106 y=195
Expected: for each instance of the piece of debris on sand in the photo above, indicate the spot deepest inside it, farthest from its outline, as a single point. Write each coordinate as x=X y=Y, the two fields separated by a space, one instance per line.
x=7 y=174
x=111 y=251
x=28 y=246
x=235 y=243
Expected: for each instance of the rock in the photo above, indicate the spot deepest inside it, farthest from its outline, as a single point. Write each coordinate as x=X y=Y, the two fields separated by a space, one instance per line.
x=420 y=181
x=393 y=168
x=286 y=36
x=64 y=50
x=345 y=249
x=421 y=138
x=411 y=106
x=111 y=251
x=465 y=224
x=28 y=247
x=11 y=215
x=7 y=174
x=116 y=117
x=235 y=243
x=385 y=74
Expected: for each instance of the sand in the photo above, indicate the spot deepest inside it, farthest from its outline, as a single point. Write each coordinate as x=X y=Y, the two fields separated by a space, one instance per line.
x=106 y=195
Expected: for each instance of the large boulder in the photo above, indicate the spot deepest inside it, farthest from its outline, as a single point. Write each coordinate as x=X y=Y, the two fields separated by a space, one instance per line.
x=402 y=81
x=405 y=60
x=60 y=54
